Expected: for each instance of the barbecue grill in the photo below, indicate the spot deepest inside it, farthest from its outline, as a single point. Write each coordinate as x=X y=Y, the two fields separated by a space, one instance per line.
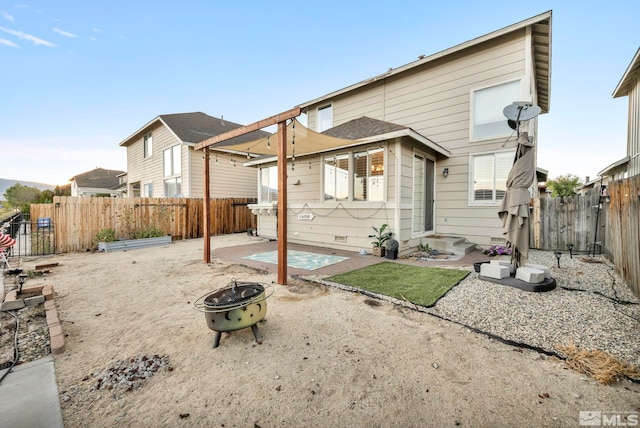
x=239 y=305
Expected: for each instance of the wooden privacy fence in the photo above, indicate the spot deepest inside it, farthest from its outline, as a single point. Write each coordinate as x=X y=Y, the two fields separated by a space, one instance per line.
x=558 y=222
x=624 y=214
x=77 y=220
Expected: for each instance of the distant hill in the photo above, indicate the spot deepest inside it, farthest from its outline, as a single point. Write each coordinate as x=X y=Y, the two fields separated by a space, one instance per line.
x=6 y=183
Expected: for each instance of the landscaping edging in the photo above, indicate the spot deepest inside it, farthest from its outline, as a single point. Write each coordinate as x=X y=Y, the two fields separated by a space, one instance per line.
x=56 y=336
x=132 y=244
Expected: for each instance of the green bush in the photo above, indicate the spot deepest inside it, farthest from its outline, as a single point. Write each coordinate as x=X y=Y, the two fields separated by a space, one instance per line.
x=148 y=232
x=105 y=235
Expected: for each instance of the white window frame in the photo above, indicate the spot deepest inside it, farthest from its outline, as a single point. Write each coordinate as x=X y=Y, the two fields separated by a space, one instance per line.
x=506 y=156
x=495 y=117
x=147 y=145
x=324 y=117
x=148 y=190
x=172 y=161
x=268 y=179
x=351 y=175
x=175 y=182
x=334 y=175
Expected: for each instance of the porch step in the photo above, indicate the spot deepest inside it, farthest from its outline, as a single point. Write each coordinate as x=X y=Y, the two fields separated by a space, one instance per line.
x=450 y=244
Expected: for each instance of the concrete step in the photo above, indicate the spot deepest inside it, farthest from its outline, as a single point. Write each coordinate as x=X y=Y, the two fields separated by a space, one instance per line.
x=450 y=244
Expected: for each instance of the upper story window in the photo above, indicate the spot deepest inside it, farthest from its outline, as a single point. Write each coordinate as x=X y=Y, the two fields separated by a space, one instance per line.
x=325 y=118
x=489 y=173
x=268 y=185
x=487 y=118
x=148 y=145
x=357 y=176
x=172 y=161
x=336 y=178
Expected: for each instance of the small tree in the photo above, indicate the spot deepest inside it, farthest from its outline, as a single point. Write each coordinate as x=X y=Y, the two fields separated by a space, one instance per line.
x=19 y=196
x=564 y=185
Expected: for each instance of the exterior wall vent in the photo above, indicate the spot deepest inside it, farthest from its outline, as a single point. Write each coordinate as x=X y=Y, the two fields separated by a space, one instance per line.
x=495 y=240
x=337 y=238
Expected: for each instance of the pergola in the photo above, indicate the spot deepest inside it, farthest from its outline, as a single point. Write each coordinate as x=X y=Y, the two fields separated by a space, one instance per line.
x=280 y=120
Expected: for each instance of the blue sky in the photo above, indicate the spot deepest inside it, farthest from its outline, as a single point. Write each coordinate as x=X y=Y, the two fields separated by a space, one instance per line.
x=78 y=77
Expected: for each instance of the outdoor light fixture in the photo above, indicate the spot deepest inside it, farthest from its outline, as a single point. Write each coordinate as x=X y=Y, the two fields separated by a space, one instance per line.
x=445 y=172
x=570 y=247
x=558 y=254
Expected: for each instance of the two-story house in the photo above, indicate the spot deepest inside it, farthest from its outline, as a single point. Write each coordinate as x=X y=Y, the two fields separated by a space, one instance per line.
x=161 y=161
x=424 y=148
x=629 y=86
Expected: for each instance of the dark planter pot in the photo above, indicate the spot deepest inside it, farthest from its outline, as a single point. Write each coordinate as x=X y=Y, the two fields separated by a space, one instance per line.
x=391 y=254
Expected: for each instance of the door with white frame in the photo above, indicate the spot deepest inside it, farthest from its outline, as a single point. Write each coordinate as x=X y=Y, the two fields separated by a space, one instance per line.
x=423 y=194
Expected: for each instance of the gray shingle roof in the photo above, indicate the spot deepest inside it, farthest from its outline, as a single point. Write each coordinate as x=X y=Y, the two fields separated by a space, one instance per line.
x=362 y=127
x=98 y=178
x=197 y=127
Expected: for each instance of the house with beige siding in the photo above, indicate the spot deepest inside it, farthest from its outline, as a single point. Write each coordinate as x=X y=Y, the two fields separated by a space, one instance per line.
x=629 y=86
x=161 y=161
x=97 y=182
x=424 y=148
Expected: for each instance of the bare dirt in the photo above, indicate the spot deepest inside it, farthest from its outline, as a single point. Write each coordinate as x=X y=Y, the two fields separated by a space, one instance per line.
x=328 y=358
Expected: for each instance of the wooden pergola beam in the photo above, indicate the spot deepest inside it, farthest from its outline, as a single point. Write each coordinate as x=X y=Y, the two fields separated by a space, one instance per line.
x=280 y=120
x=282 y=117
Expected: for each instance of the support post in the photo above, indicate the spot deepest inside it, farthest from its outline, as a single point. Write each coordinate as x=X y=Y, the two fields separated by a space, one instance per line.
x=282 y=203
x=206 y=224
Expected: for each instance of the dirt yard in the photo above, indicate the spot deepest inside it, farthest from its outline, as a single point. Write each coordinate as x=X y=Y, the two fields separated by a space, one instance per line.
x=329 y=357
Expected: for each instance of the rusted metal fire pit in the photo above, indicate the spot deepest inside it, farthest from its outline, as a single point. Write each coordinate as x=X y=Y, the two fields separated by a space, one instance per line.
x=240 y=305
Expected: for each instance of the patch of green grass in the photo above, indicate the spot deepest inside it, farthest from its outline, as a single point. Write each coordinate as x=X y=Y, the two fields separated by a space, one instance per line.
x=420 y=285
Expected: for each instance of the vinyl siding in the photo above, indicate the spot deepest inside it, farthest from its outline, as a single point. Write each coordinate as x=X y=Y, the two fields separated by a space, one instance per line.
x=225 y=180
x=435 y=100
x=633 y=138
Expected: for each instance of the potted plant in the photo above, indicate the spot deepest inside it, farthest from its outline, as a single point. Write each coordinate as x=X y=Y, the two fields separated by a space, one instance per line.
x=380 y=238
x=391 y=249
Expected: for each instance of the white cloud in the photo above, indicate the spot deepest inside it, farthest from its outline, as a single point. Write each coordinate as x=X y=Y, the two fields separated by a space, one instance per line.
x=6 y=42
x=6 y=15
x=36 y=41
x=64 y=33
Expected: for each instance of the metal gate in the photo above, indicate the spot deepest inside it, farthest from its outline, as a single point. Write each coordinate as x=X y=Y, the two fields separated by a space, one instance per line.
x=33 y=238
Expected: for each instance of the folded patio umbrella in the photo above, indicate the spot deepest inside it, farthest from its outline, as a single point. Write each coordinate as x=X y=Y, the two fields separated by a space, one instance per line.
x=514 y=211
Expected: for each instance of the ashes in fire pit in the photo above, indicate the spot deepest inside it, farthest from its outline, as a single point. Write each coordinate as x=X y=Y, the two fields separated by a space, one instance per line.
x=240 y=305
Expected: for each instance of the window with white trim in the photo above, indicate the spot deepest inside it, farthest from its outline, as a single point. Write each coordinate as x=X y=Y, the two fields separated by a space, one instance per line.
x=148 y=190
x=357 y=176
x=325 y=118
x=488 y=174
x=148 y=145
x=487 y=117
x=268 y=185
x=336 y=178
x=172 y=168
x=368 y=177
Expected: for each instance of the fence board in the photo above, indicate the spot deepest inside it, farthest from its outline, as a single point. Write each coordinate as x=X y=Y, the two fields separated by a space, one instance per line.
x=77 y=220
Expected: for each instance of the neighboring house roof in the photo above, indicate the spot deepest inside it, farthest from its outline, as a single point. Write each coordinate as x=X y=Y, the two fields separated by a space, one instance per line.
x=616 y=165
x=192 y=128
x=541 y=53
x=98 y=178
x=629 y=77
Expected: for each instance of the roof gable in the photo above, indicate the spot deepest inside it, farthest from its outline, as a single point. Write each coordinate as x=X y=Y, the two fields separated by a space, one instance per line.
x=362 y=127
x=98 y=178
x=630 y=75
x=540 y=26
x=192 y=128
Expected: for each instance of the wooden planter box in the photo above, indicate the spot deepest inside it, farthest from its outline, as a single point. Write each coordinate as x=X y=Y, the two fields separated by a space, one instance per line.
x=133 y=244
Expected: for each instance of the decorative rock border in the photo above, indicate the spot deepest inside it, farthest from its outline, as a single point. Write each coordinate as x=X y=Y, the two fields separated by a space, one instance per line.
x=56 y=335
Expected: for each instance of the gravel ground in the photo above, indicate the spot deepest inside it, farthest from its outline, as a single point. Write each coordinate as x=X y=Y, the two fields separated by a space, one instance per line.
x=591 y=307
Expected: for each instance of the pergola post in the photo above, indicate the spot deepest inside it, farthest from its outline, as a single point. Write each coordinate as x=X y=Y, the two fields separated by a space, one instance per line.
x=282 y=203
x=281 y=120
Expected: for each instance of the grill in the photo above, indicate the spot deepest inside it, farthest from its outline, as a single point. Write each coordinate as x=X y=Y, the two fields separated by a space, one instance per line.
x=240 y=305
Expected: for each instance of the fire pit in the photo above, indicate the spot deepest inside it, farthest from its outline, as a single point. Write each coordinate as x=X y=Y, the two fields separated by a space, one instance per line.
x=240 y=305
